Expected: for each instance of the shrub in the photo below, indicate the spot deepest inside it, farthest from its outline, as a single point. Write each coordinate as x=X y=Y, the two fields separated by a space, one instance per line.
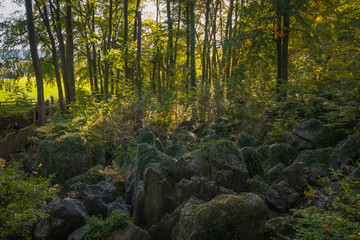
x=22 y=199
x=338 y=218
x=253 y=161
x=245 y=140
x=100 y=229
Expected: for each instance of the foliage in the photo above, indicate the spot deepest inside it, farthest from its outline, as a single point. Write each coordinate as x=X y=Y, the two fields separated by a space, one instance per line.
x=337 y=218
x=253 y=161
x=147 y=154
x=100 y=229
x=22 y=199
x=245 y=140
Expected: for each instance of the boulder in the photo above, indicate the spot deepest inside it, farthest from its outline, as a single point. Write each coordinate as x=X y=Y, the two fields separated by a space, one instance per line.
x=282 y=153
x=296 y=175
x=274 y=173
x=257 y=186
x=92 y=176
x=199 y=187
x=65 y=216
x=181 y=169
x=349 y=149
x=95 y=197
x=263 y=150
x=131 y=232
x=222 y=163
x=164 y=229
x=319 y=160
x=225 y=217
x=280 y=228
x=319 y=135
x=67 y=156
x=297 y=142
x=158 y=198
x=145 y=155
x=281 y=197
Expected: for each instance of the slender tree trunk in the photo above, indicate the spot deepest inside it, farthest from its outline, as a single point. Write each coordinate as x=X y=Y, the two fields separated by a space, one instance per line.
x=96 y=84
x=139 y=80
x=107 y=48
x=192 y=59
x=205 y=47
x=45 y=17
x=36 y=61
x=56 y=18
x=70 y=50
x=126 y=39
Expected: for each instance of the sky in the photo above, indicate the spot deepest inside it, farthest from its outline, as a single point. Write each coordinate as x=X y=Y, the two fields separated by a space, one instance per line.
x=7 y=8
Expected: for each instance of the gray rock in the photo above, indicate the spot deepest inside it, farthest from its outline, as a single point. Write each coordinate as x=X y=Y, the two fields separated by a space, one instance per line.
x=280 y=197
x=181 y=169
x=199 y=187
x=297 y=142
x=282 y=153
x=296 y=175
x=118 y=205
x=159 y=196
x=218 y=157
x=65 y=216
x=227 y=217
x=274 y=173
x=163 y=229
x=131 y=232
x=95 y=197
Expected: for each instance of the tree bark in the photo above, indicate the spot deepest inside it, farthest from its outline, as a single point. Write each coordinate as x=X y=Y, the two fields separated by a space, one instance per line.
x=36 y=61
x=70 y=50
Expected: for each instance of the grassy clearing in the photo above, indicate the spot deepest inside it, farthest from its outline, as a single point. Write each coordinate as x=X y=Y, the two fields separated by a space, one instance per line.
x=16 y=88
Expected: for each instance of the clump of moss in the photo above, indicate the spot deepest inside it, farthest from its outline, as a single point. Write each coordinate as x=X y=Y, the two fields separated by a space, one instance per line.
x=253 y=161
x=100 y=229
x=149 y=154
x=245 y=140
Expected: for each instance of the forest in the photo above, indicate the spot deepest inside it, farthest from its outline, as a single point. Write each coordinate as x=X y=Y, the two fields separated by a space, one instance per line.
x=243 y=100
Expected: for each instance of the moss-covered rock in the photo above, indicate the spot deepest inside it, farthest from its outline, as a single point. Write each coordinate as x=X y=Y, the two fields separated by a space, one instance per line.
x=274 y=173
x=185 y=138
x=67 y=156
x=263 y=150
x=253 y=161
x=245 y=140
x=257 y=186
x=149 y=154
x=319 y=160
x=223 y=163
x=175 y=150
x=225 y=217
x=282 y=153
x=349 y=150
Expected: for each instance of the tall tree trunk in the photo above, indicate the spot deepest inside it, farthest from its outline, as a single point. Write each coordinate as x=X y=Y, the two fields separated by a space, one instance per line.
x=170 y=62
x=55 y=12
x=192 y=58
x=70 y=50
x=139 y=80
x=45 y=17
x=36 y=61
x=96 y=84
x=126 y=39
x=205 y=47
x=107 y=48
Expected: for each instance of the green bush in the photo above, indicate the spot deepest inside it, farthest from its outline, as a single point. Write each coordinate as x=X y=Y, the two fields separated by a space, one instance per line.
x=149 y=154
x=253 y=161
x=22 y=200
x=100 y=229
x=245 y=140
x=338 y=218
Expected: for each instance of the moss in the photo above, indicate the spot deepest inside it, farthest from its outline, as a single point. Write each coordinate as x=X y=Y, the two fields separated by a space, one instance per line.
x=253 y=161
x=149 y=154
x=282 y=153
x=67 y=156
x=146 y=137
x=274 y=173
x=264 y=150
x=245 y=140
x=100 y=229
x=317 y=156
x=256 y=186
x=175 y=150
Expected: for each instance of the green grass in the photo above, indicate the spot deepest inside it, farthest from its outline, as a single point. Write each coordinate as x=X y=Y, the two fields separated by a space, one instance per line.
x=21 y=87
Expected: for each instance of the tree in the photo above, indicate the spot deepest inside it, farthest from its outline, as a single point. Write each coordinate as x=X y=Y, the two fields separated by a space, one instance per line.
x=36 y=61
